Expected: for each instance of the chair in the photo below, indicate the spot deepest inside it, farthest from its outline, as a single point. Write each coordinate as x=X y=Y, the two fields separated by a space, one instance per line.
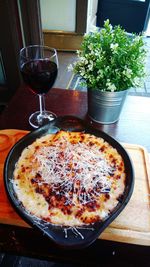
x=132 y=15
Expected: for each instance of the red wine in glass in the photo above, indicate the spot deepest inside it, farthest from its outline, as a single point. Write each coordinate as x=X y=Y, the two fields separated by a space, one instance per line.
x=39 y=67
x=39 y=74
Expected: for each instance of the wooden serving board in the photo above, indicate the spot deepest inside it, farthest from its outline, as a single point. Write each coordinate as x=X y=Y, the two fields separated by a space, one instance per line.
x=133 y=223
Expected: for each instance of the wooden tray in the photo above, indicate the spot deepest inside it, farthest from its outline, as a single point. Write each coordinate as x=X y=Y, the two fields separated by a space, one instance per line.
x=131 y=226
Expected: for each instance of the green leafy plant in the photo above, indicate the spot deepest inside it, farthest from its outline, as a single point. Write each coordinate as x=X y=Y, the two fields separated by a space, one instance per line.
x=110 y=59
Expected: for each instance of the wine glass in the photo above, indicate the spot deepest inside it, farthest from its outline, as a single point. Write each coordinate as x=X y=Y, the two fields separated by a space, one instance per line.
x=39 y=67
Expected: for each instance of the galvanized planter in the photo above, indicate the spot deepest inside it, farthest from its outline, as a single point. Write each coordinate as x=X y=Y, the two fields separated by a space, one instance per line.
x=105 y=107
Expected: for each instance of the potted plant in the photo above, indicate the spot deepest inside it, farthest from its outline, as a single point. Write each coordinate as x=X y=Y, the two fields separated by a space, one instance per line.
x=110 y=62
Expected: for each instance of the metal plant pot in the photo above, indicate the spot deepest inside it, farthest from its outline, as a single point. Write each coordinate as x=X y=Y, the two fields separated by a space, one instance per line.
x=105 y=107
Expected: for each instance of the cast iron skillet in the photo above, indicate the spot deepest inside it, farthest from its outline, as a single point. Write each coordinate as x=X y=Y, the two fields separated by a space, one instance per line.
x=67 y=237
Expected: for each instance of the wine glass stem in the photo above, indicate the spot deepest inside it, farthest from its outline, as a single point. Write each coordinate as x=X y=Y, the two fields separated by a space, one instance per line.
x=42 y=104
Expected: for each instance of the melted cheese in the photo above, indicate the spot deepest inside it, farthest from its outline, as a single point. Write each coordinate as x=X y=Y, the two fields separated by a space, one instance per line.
x=69 y=165
x=75 y=166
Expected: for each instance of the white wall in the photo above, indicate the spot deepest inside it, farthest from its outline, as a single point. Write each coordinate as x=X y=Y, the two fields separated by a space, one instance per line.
x=58 y=14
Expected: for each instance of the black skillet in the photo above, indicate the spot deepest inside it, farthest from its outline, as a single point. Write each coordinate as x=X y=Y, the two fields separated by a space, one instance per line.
x=66 y=237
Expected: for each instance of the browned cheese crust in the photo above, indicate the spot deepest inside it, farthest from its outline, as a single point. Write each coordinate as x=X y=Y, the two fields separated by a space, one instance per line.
x=70 y=178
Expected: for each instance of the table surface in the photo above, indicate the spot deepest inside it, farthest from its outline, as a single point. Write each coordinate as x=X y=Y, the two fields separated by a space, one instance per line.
x=133 y=127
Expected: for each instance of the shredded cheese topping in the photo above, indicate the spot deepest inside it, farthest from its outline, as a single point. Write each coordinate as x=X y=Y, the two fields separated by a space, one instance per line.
x=70 y=179
x=70 y=168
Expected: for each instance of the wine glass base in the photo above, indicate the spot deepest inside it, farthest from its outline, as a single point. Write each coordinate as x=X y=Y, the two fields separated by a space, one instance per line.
x=37 y=119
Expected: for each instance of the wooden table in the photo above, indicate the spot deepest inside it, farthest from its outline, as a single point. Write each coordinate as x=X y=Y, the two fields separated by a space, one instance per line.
x=132 y=127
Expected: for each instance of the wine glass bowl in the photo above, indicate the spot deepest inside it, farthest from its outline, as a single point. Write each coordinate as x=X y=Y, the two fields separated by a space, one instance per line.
x=39 y=68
